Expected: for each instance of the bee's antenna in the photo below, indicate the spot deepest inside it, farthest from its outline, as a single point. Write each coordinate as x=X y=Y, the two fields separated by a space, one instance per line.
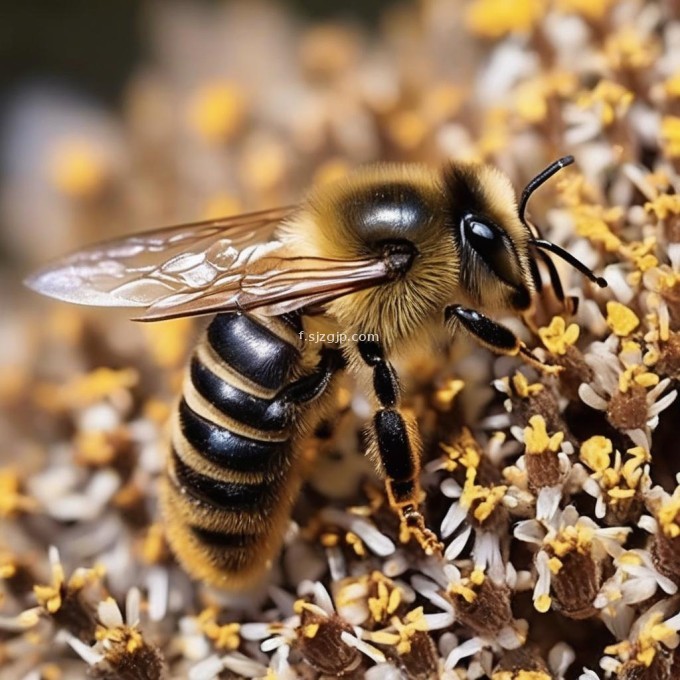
x=568 y=257
x=536 y=182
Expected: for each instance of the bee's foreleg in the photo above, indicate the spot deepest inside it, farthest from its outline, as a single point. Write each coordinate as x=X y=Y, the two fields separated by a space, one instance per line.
x=494 y=336
x=396 y=443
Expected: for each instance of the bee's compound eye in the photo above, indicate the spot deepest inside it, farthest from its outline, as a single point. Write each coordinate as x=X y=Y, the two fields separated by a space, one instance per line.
x=478 y=231
x=493 y=246
x=485 y=237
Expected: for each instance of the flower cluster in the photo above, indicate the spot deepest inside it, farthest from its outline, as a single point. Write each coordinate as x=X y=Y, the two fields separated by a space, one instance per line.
x=553 y=484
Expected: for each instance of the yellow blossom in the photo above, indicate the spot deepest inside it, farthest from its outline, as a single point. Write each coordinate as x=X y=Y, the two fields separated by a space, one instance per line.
x=641 y=253
x=12 y=501
x=542 y=603
x=532 y=97
x=169 y=341
x=637 y=375
x=87 y=389
x=495 y=18
x=574 y=190
x=654 y=633
x=464 y=452
x=465 y=589
x=484 y=499
x=557 y=337
x=356 y=543
x=310 y=630
x=593 y=222
x=596 y=453
x=225 y=636
x=627 y=49
x=670 y=135
x=407 y=129
x=445 y=396
x=77 y=168
x=668 y=515
x=522 y=387
x=536 y=437
x=621 y=319
x=495 y=133
x=664 y=205
x=571 y=539
x=387 y=599
x=672 y=85
x=217 y=111
x=555 y=565
x=608 y=98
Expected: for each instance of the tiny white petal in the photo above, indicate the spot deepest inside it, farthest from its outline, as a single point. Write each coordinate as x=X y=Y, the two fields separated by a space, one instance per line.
x=369 y=650
x=456 y=546
x=591 y=398
x=208 y=669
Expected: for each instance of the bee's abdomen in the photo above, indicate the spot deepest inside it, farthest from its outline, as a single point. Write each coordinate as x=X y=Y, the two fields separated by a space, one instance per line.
x=257 y=353
x=231 y=473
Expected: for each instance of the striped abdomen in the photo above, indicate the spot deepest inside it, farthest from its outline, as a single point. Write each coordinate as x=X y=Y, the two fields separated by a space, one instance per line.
x=232 y=473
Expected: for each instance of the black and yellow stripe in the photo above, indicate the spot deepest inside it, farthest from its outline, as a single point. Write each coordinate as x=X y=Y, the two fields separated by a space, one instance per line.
x=232 y=473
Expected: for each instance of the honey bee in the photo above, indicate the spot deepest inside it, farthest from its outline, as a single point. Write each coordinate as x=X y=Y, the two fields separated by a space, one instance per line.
x=386 y=253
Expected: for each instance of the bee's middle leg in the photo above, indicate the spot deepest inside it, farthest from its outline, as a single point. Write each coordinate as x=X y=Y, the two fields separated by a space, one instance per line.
x=396 y=442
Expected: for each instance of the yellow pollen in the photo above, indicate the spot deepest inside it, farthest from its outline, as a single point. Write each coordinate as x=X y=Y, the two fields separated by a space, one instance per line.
x=536 y=437
x=217 y=111
x=621 y=319
x=356 y=543
x=444 y=397
x=477 y=577
x=670 y=135
x=664 y=205
x=554 y=564
x=311 y=630
x=467 y=593
x=557 y=337
x=542 y=603
x=77 y=169
x=609 y=99
x=522 y=386
x=495 y=18
x=593 y=222
x=596 y=452
x=668 y=513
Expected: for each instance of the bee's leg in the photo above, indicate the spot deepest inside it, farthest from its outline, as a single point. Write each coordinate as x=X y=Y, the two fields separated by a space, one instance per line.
x=396 y=444
x=311 y=386
x=493 y=335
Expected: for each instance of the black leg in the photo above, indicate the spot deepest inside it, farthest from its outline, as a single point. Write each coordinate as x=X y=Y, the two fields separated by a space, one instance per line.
x=493 y=335
x=311 y=386
x=396 y=444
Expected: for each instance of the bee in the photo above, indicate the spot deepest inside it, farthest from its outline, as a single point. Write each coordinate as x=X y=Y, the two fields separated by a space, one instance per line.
x=377 y=259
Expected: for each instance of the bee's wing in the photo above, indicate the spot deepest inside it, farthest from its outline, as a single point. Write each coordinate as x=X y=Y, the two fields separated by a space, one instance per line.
x=273 y=282
x=138 y=270
x=203 y=268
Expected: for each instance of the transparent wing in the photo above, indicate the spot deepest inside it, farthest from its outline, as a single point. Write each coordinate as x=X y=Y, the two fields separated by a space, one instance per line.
x=273 y=283
x=141 y=269
x=205 y=267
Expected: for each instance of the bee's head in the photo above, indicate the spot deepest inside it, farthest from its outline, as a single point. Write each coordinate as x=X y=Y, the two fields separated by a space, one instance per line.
x=491 y=241
x=496 y=247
